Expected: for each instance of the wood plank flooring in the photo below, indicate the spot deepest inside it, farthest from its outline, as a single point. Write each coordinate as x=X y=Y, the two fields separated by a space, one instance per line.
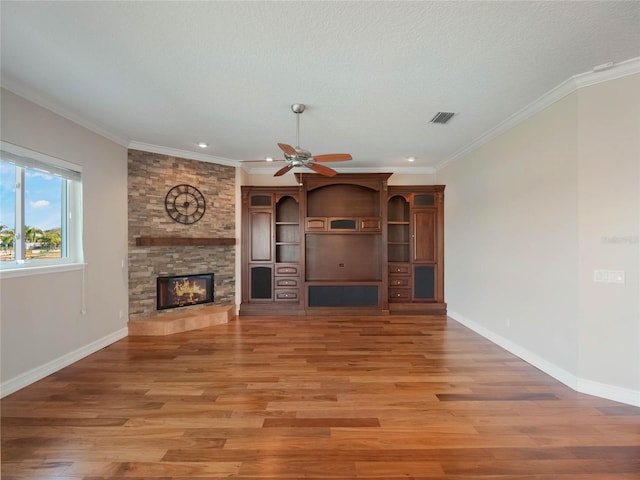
x=318 y=398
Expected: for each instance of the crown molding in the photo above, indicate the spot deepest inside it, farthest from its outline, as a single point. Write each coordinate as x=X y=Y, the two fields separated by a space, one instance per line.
x=618 y=70
x=21 y=90
x=270 y=170
x=176 y=152
x=387 y=169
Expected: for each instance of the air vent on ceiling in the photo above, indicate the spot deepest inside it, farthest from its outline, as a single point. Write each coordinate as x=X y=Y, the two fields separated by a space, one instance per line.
x=442 y=117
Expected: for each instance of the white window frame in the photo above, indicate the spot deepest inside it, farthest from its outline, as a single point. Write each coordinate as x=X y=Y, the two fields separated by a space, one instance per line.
x=72 y=251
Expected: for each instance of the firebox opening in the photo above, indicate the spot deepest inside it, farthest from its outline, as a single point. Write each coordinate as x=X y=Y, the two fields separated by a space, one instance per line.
x=183 y=290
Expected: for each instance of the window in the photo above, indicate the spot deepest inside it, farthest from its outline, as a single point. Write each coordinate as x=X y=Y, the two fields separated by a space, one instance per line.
x=40 y=210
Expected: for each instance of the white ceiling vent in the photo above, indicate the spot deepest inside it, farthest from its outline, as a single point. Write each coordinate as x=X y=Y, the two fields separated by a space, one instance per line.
x=442 y=117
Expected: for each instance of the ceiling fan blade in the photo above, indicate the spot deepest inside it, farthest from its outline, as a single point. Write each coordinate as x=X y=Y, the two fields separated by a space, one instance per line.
x=288 y=149
x=283 y=170
x=333 y=157
x=322 y=170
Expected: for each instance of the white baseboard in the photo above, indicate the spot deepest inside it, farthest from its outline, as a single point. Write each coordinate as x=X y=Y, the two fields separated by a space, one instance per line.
x=16 y=383
x=610 y=392
x=602 y=390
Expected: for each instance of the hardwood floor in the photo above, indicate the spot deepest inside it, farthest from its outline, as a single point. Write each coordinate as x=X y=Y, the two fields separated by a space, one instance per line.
x=321 y=398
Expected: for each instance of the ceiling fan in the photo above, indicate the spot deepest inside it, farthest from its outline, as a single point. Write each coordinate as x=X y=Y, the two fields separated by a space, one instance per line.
x=299 y=157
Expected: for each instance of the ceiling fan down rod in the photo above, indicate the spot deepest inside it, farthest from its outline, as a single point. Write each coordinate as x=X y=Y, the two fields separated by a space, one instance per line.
x=298 y=108
x=297 y=131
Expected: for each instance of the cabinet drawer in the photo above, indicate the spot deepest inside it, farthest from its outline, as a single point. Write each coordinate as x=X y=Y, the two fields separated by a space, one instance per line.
x=291 y=270
x=369 y=224
x=399 y=294
x=288 y=295
x=399 y=282
x=399 y=269
x=316 y=224
x=286 y=282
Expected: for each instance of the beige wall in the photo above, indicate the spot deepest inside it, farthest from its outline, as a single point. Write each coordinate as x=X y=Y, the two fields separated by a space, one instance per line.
x=609 y=229
x=525 y=219
x=43 y=327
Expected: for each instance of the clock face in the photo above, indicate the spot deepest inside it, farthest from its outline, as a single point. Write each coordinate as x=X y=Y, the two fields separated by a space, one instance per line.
x=185 y=204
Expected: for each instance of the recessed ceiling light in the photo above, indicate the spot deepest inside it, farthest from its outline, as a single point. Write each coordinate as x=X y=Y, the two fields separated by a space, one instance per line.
x=269 y=159
x=411 y=159
x=203 y=144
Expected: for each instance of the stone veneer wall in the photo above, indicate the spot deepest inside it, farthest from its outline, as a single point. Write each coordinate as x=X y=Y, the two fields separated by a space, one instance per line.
x=151 y=176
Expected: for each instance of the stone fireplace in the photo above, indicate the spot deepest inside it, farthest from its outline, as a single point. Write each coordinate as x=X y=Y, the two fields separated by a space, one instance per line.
x=162 y=247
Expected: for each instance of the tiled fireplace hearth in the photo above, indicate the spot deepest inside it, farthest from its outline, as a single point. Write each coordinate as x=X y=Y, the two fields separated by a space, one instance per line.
x=162 y=247
x=182 y=320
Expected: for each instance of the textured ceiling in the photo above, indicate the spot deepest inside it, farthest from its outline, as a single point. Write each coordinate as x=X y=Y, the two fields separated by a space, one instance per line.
x=171 y=74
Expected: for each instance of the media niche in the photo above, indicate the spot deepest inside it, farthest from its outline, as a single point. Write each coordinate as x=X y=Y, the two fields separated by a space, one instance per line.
x=184 y=290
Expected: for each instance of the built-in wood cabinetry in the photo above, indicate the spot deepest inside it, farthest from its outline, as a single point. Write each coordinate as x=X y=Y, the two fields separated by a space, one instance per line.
x=415 y=247
x=342 y=244
x=271 y=250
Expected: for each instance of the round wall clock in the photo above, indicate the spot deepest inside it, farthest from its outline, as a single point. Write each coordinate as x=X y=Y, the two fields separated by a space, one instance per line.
x=185 y=204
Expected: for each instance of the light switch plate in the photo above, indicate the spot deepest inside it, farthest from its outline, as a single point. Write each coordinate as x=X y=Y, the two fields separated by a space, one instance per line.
x=608 y=276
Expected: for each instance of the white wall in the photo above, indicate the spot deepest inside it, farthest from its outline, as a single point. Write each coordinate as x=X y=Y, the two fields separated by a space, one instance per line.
x=266 y=180
x=289 y=180
x=413 y=179
x=42 y=326
x=525 y=219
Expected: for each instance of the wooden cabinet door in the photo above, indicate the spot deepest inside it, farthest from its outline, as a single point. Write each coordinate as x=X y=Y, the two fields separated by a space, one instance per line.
x=424 y=236
x=261 y=282
x=261 y=236
x=424 y=282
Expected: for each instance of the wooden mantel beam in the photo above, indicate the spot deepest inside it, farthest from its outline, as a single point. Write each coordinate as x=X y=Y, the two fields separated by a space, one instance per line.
x=183 y=241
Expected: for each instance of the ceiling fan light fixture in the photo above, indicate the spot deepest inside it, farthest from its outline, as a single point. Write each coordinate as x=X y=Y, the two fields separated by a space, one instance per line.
x=299 y=157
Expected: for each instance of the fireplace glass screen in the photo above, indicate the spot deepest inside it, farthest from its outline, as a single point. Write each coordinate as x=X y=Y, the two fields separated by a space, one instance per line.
x=183 y=290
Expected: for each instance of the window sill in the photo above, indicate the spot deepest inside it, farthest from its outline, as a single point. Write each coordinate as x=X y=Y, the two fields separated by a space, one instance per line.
x=25 y=271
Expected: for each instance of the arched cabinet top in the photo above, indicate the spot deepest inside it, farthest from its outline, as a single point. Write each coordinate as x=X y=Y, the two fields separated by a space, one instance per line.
x=295 y=196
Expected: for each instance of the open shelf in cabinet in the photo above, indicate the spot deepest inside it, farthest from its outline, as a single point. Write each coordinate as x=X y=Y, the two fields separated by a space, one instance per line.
x=287 y=230
x=398 y=229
